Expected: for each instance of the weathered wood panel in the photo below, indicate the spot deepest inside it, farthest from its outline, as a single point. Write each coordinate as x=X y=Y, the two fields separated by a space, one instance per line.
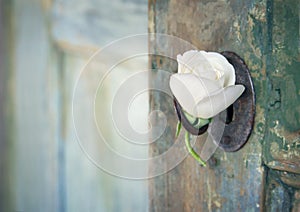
x=235 y=181
x=266 y=34
x=283 y=135
x=281 y=146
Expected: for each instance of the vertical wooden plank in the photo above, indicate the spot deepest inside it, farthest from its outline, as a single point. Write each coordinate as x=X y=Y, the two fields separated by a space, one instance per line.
x=36 y=135
x=5 y=148
x=282 y=141
x=234 y=181
x=283 y=78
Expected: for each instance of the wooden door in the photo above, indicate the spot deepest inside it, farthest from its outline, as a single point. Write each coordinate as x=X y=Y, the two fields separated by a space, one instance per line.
x=265 y=174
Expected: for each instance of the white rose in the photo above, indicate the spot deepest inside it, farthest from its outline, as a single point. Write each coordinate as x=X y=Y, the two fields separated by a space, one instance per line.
x=205 y=83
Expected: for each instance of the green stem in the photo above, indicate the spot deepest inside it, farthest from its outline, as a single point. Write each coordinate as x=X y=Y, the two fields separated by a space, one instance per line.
x=192 y=151
x=178 y=128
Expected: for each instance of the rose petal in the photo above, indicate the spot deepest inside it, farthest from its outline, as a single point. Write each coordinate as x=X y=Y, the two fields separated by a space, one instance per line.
x=183 y=61
x=189 y=89
x=221 y=64
x=195 y=62
x=208 y=65
x=187 y=56
x=211 y=75
x=212 y=105
x=221 y=81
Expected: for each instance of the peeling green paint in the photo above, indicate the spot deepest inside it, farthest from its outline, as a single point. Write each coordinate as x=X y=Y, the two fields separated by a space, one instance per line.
x=283 y=76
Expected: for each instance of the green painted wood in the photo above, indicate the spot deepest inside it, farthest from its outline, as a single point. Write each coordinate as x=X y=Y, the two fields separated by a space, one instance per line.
x=282 y=142
x=281 y=146
x=266 y=34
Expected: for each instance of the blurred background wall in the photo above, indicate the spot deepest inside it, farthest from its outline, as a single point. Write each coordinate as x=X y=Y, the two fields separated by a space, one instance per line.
x=44 y=45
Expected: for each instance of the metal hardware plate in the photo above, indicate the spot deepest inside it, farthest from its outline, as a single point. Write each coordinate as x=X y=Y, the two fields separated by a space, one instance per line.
x=239 y=128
